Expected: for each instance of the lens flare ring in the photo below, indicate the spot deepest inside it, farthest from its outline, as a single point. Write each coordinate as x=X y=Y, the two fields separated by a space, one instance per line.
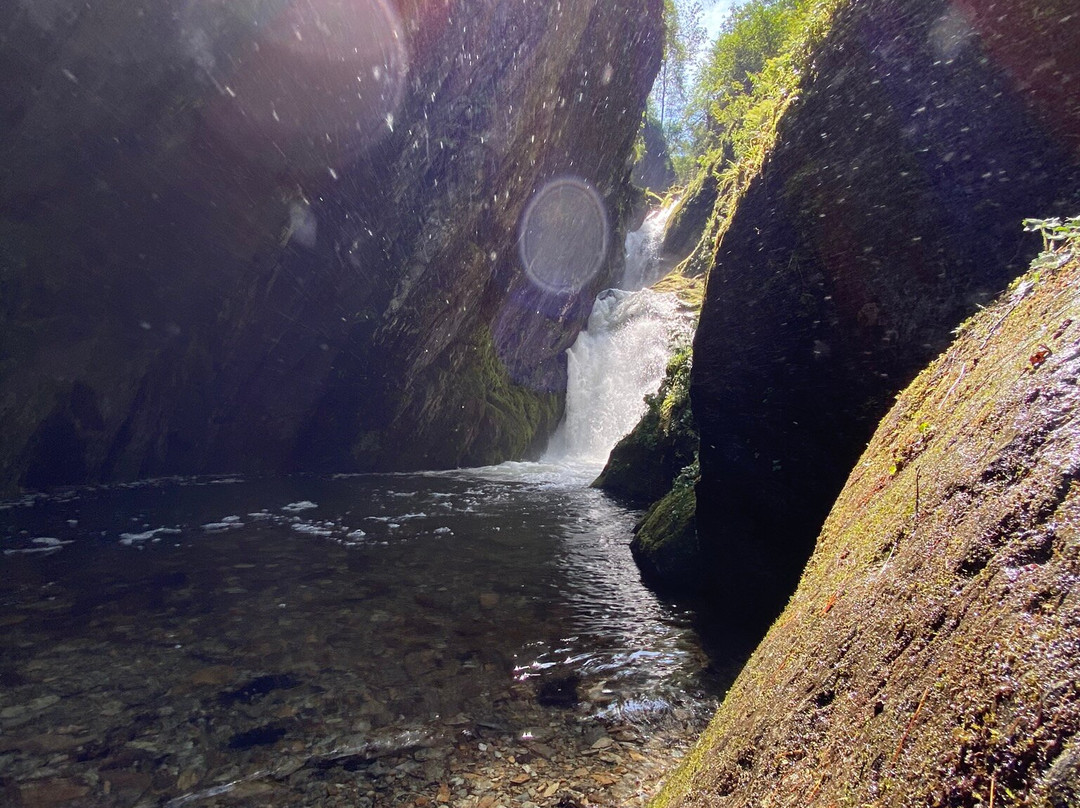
x=564 y=235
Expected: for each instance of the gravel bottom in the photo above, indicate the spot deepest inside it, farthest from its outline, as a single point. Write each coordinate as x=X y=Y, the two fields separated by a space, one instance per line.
x=572 y=760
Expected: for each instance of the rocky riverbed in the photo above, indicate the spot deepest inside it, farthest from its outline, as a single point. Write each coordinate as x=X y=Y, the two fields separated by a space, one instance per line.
x=272 y=741
x=362 y=641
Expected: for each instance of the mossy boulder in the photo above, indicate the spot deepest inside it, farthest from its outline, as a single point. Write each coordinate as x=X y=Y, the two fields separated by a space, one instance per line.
x=643 y=465
x=930 y=655
x=665 y=543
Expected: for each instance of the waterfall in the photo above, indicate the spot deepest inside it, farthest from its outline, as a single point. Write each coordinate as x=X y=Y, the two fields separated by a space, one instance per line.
x=643 y=264
x=621 y=355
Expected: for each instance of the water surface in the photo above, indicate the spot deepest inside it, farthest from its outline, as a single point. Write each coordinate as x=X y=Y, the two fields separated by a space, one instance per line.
x=200 y=626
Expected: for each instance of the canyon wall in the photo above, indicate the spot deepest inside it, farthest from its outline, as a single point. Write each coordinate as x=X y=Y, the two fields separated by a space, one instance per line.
x=930 y=653
x=285 y=236
x=890 y=209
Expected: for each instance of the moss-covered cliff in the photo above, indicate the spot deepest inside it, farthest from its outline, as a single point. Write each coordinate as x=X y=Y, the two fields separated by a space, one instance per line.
x=273 y=236
x=924 y=131
x=931 y=653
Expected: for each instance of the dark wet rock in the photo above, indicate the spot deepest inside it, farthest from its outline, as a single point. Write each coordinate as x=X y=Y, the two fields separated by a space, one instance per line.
x=10 y=677
x=559 y=691
x=266 y=735
x=209 y=260
x=665 y=544
x=259 y=687
x=169 y=579
x=889 y=211
x=1062 y=781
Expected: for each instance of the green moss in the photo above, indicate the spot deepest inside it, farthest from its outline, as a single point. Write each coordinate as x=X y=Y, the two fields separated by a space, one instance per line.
x=643 y=465
x=689 y=289
x=514 y=417
x=666 y=544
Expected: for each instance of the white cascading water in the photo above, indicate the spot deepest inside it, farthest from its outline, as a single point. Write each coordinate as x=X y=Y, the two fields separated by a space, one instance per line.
x=643 y=266
x=621 y=356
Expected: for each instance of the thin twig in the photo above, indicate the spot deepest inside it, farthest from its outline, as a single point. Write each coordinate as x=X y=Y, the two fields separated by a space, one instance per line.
x=963 y=368
x=915 y=515
x=995 y=326
x=914 y=518
x=910 y=724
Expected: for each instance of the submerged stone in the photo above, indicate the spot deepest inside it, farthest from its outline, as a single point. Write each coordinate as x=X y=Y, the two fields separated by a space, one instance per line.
x=259 y=687
x=559 y=691
x=259 y=736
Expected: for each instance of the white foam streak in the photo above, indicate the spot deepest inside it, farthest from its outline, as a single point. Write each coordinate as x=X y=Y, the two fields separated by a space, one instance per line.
x=643 y=265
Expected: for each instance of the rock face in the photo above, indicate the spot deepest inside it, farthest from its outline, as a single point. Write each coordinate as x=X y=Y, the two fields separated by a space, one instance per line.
x=653 y=170
x=690 y=217
x=930 y=655
x=889 y=210
x=282 y=236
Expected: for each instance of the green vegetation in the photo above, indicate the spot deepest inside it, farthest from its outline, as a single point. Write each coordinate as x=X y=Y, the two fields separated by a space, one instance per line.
x=720 y=120
x=684 y=38
x=748 y=76
x=671 y=404
x=752 y=71
x=1061 y=240
x=1054 y=231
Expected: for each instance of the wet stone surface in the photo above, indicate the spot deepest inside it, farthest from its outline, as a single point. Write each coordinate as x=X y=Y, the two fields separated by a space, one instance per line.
x=256 y=649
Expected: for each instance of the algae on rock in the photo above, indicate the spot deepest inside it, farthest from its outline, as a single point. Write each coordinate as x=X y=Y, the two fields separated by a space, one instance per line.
x=665 y=543
x=930 y=654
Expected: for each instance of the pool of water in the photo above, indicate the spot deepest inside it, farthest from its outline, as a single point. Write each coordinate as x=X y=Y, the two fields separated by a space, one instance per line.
x=192 y=629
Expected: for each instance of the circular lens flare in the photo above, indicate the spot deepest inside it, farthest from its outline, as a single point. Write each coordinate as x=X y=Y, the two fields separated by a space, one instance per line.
x=564 y=235
x=314 y=86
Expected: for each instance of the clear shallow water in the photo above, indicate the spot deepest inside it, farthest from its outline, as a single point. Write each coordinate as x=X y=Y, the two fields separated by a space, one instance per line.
x=205 y=621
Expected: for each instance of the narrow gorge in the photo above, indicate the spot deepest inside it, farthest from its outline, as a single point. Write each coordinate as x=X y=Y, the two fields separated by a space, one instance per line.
x=434 y=402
